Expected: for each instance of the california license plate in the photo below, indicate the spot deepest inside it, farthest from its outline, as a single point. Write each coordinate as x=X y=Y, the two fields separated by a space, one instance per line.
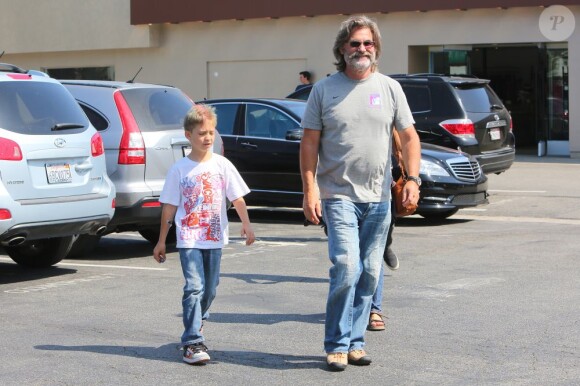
x=495 y=134
x=58 y=173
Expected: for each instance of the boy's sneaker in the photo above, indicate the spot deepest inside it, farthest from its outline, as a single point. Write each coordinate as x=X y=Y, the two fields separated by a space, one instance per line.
x=391 y=259
x=195 y=354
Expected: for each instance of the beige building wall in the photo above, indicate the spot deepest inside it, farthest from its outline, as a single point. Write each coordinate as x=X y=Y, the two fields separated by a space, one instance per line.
x=253 y=58
x=33 y=26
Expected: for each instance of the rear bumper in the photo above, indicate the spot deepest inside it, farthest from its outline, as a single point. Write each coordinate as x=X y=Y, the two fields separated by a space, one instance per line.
x=497 y=161
x=44 y=230
x=146 y=213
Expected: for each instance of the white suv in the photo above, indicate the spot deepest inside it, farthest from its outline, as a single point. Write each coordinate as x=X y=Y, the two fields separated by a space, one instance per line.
x=53 y=178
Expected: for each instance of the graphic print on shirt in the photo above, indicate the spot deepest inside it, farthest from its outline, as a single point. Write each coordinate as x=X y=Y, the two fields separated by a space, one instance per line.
x=375 y=100
x=202 y=201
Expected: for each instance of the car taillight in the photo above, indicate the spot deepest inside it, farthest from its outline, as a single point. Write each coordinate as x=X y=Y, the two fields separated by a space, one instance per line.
x=20 y=76
x=459 y=127
x=132 y=146
x=151 y=204
x=9 y=150
x=5 y=214
x=97 y=147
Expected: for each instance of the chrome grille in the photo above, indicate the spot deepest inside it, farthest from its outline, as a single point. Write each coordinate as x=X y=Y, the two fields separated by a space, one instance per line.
x=464 y=169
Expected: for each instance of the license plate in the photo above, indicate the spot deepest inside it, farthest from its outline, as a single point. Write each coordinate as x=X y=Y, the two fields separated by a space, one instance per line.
x=58 y=173
x=495 y=134
x=186 y=150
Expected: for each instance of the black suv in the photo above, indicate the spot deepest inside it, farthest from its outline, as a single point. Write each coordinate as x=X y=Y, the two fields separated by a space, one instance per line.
x=458 y=112
x=462 y=113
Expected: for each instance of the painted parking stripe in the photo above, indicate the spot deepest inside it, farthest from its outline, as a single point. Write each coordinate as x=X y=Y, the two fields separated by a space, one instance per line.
x=516 y=191
x=111 y=266
x=100 y=266
x=537 y=220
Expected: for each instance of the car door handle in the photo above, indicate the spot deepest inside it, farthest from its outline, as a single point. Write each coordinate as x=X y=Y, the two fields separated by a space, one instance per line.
x=249 y=145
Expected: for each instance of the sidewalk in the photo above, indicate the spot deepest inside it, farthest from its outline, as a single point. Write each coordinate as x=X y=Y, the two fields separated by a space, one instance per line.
x=531 y=155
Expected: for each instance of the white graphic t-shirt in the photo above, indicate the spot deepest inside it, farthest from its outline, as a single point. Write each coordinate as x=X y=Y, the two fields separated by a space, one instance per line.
x=199 y=191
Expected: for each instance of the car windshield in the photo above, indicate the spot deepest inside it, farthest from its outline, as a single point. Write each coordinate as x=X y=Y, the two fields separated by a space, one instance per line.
x=477 y=99
x=36 y=107
x=167 y=107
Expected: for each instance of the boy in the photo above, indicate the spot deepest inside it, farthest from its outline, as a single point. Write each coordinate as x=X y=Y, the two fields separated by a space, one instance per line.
x=194 y=194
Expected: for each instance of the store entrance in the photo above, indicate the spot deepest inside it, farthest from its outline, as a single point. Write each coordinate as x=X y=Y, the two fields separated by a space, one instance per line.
x=531 y=80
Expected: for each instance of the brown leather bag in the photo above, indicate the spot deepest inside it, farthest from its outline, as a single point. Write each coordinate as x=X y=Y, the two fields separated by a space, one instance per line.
x=397 y=188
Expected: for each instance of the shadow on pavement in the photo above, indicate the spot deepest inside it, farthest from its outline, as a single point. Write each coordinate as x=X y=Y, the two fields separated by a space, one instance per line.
x=171 y=353
x=120 y=248
x=14 y=273
x=267 y=319
x=252 y=278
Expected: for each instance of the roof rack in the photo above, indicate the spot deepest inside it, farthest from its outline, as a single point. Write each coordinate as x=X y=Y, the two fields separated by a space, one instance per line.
x=427 y=74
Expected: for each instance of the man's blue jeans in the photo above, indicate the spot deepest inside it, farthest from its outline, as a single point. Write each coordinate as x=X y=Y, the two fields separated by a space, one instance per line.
x=201 y=270
x=357 y=234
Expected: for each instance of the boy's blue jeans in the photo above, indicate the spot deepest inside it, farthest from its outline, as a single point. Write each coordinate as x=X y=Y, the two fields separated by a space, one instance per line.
x=201 y=270
x=357 y=234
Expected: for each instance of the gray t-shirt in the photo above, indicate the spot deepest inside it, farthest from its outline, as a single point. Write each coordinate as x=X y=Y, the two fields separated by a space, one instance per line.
x=356 y=117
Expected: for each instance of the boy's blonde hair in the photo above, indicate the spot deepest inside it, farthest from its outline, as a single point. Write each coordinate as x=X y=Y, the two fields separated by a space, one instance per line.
x=199 y=114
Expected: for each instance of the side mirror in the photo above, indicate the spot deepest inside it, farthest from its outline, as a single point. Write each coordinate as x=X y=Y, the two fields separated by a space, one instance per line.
x=294 y=135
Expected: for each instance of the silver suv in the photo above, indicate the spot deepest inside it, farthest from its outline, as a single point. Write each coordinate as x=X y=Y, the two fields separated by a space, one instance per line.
x=142 y=129
x=53 y=180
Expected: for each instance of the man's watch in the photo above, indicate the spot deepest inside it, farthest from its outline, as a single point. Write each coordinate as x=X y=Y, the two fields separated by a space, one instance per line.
x=416 y=180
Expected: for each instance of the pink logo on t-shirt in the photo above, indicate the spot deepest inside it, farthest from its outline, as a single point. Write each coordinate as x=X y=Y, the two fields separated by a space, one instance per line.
x=375 y=100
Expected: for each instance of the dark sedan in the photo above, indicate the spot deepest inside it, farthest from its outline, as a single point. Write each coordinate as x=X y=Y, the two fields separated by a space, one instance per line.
x=262 y=139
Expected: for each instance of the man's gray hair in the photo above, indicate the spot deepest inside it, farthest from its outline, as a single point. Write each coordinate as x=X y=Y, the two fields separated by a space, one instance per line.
x=346 y=29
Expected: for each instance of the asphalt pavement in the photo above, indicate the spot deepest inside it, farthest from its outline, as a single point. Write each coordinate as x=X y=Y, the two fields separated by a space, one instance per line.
x=487 y=297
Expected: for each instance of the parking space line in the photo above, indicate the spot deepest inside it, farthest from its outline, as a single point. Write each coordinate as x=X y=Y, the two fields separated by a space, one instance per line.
x=516 y=191
x=111 y=266
x=537 y=220
x=100 y=266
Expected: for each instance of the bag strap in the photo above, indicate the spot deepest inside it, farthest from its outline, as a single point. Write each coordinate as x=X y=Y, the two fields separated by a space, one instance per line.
x=398 y=152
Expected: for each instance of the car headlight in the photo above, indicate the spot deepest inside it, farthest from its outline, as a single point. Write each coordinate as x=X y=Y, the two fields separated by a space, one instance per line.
x=430 y=168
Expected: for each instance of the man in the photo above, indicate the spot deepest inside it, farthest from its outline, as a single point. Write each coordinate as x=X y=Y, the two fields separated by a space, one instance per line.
x=345 y=150
x=304 y=77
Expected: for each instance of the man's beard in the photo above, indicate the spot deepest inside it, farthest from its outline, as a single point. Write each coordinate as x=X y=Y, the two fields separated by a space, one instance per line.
x=360 y=65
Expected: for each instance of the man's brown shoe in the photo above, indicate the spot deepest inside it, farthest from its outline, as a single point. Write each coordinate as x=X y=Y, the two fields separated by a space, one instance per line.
x=359 y=358
x=336 y=361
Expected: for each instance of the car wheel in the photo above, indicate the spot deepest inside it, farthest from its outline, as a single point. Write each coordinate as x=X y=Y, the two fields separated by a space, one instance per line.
x=152 y=235
x=439 y=215
x=83 y=245
x=41 y=253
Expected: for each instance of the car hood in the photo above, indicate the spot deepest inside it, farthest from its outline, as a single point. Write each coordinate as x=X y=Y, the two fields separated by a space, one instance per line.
x=440 y=152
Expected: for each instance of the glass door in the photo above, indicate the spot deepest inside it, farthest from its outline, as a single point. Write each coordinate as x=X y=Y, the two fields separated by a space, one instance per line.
x=557 y=107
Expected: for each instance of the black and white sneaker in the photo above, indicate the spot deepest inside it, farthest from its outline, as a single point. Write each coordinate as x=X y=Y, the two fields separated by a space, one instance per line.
x=195 y=354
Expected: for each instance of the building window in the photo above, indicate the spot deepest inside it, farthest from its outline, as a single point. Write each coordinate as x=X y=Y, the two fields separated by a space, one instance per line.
x=91 y=73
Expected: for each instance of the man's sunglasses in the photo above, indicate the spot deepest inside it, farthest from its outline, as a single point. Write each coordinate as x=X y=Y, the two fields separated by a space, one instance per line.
x=366 y=43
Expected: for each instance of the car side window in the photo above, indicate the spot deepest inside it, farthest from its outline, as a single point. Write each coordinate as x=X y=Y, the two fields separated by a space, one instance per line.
x=266 y=122
x=226 y=114
x=97 y=120
x=418 y=97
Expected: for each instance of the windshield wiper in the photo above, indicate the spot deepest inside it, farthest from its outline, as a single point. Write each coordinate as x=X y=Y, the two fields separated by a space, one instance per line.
x=496 y=107
x=66 y=126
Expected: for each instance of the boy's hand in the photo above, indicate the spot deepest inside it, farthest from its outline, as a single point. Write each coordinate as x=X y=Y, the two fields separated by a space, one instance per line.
x=159 y=253
x=248 y=232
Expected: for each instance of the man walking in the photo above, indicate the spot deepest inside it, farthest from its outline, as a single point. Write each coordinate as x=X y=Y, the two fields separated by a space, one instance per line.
x=345 y=150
